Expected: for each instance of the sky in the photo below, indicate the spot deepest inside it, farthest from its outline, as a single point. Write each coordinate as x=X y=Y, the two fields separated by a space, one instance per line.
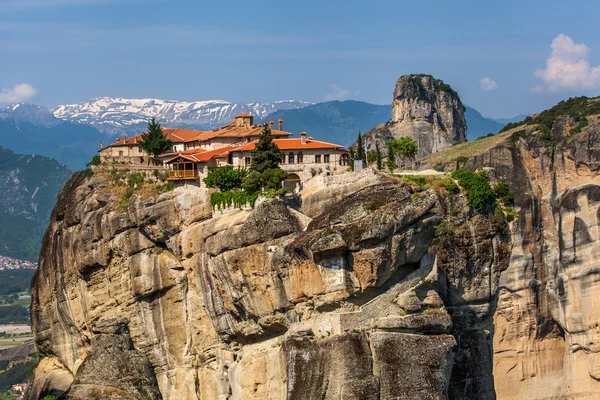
x=504 y=58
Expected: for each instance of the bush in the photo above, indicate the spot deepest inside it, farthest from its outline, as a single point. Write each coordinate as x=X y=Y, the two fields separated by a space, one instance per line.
x=439 y=167
x=502 y=191
x=480 y=195
x=237 y=198
x=94 y=161
x=273 y=177
x=225 y=178
x=391 y=164
x=451 y=186
x=252 y=182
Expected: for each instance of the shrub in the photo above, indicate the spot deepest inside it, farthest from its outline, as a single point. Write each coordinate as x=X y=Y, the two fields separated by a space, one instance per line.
x=391 y=164
x=252 y=182
x=225 y=178
x=511 y=214
x=445 y=229
x=451 y=186
x=439 y=167
x=94 y=161
x=273 y=177
x=502 y=191
x=480 y=195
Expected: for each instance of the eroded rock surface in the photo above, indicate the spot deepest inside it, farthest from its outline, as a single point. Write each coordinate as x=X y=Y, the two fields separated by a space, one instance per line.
x=425 y=109
x=365 y=299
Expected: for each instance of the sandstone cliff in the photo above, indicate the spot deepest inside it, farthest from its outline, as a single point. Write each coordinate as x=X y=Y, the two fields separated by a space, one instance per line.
x=426 y=109
x=546 y=335
x=353 y=293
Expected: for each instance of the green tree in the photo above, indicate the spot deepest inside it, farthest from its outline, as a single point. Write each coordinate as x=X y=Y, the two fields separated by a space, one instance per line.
x=406 y=147
x=273 y=177
x=360 y=151
x=94 y=161
x=352 y=158
x=378 y=157
x=225 y=178
x=155 y=142
x=266 y=155
x=253 y=182
x=371 y=156
x=391 y=164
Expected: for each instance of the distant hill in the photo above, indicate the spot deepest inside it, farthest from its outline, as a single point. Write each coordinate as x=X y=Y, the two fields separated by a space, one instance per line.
x=32 y=129
x=28 y=188
x=333 y=121
x=478 y=125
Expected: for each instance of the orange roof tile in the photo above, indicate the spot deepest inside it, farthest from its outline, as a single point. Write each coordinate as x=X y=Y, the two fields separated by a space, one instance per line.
x=295 y=144
x=200 y=155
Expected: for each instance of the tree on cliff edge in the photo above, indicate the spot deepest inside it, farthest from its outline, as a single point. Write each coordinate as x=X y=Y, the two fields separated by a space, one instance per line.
x=154 y=142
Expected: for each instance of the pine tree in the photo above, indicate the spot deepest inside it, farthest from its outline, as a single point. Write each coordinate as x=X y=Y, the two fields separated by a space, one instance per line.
x=154 y=142
x=266 y=155
x=352 y=158
x=378 y=157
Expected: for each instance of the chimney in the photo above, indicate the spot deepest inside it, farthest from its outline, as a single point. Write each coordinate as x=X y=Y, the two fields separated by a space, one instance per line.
x=117 y=139
x=303 y=137
x=280 y=123
x=101 y=145
x=260 y=125
x=271 y=123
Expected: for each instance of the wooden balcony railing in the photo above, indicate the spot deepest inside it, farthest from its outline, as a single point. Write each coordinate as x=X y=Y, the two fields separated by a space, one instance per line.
x=180 y=175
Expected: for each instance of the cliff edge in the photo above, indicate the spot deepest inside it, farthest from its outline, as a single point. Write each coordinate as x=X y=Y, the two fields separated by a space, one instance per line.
x=356 y=293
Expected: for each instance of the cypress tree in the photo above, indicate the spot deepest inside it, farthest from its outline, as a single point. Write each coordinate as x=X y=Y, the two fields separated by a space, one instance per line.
x=361 y=148
x=154 y=142
x=378 y=157
x=266 y=155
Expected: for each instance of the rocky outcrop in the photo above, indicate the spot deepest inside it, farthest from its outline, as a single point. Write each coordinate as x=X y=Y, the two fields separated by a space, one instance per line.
x=366 y=298
x=425 y=109
x=545 y=331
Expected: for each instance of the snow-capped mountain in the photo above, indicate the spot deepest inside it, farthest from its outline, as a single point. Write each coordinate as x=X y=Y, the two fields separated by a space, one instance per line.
x=115 y=116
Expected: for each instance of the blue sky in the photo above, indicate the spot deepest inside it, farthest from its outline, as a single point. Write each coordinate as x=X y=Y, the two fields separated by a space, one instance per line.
x=66 y=51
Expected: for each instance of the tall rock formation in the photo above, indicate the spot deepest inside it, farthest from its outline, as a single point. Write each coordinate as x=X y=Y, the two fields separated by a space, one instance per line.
x=355 y=294
x=546 y=325
x=425 y=109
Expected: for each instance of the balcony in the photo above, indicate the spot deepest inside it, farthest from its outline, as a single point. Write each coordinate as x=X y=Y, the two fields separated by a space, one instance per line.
x=182 y=175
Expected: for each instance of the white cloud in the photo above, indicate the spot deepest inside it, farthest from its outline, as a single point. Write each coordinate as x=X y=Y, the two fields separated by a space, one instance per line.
x=20 y=93
x=487 y=84
x=340 y=94
x=568 y=66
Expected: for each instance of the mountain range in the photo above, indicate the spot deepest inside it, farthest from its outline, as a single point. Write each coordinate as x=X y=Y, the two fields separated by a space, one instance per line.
x=28 y=188
x=32 y=129
x=117 y=116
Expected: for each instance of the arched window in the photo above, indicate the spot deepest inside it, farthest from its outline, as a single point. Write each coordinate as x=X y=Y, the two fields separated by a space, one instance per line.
x=344 y=160
x=291 y=158
x=300 y=158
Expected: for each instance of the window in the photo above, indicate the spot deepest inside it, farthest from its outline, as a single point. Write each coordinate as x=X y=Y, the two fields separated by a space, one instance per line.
x=248 y=161
x=300 y=158
x=317 y=158
x=120 y=154
x=283 y=159
x=291 y=158
x=326 y=158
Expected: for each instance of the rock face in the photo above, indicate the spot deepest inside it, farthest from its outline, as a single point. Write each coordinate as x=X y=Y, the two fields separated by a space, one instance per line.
x=366 y=300
x=546 y=336
x=425 y=109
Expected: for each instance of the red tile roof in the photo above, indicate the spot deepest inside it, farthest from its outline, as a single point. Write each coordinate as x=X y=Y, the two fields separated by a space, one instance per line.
x=199 y=155
x=294 y=144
